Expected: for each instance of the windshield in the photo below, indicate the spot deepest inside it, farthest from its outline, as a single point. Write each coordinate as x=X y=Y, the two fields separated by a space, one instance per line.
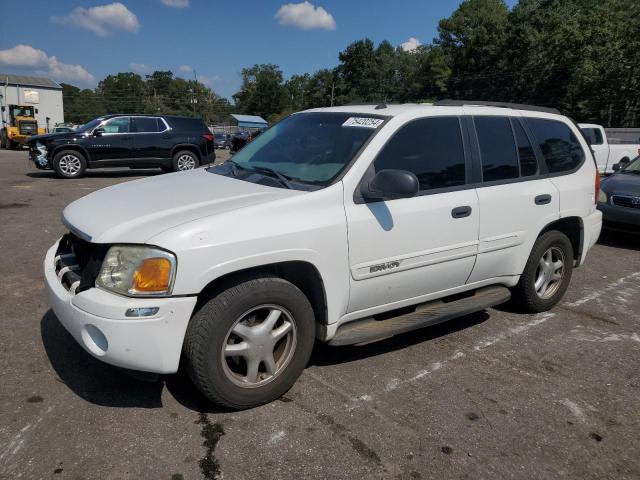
x=23 y=111
x=309 y=147
x=89 y=125
x=633 y=167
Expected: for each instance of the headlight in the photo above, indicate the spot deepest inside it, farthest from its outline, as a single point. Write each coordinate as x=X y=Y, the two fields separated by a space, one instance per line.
x=137 y=271
x=41 y=148
x=602 y=197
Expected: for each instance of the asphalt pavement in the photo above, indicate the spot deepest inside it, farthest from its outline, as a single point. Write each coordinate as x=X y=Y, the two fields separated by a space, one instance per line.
x=497 y=394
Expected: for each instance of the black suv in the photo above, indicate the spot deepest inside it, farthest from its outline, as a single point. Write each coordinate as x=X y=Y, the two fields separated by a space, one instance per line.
x=135 y=141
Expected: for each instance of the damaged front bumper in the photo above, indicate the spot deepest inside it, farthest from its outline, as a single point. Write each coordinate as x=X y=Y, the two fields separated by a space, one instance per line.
x=39 y=156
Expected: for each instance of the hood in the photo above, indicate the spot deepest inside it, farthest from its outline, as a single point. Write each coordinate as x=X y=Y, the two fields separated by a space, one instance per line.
x=622 y=183
x=135 y=211
x=47 y=137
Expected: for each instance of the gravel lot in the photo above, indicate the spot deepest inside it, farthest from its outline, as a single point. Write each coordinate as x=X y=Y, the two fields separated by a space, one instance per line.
x=497 y=394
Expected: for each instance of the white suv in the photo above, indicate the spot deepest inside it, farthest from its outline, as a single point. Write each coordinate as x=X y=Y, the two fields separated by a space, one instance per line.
x=347 y=224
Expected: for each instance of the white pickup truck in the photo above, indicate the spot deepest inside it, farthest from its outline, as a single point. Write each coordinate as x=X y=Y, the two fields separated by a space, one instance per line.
x=608 y=154
x=345 y=224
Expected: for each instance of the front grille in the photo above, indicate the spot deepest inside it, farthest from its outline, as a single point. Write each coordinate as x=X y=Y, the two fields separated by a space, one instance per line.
x=626 y=201
x=28 y=128
x=78 y=262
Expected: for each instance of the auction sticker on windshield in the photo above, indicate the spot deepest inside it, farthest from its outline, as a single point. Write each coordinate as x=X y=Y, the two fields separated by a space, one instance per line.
x=366 y=122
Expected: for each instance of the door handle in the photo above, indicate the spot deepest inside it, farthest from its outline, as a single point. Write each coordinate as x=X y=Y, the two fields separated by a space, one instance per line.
x=543 y=199
x=461 y=212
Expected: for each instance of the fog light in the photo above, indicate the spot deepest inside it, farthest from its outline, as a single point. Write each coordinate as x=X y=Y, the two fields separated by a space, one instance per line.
x=141 y=312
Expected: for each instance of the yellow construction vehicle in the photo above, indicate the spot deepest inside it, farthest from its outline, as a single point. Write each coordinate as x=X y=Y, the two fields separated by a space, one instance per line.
x=22 y=124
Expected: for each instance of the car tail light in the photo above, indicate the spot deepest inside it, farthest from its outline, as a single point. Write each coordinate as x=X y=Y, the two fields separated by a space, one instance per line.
x=208 y=136
x=597 y=187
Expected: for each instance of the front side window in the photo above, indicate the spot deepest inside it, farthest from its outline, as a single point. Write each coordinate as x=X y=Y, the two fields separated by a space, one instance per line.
x=431 y=148
x=145 y=124
x=116 y=125
x=560 y=147
x=309 y=147
x=497 y=148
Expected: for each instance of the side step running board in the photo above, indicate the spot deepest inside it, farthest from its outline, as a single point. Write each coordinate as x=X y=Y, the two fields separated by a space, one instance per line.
x=426 y=314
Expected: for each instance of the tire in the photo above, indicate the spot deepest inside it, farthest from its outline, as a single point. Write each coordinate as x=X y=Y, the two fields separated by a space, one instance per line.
x=549 y=248
x=185 y=160
x=69 y=164
x=226 y=380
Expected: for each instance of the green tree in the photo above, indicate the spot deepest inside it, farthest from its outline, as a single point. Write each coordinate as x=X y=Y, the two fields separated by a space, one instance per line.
x=122 y=93
x=262 y=91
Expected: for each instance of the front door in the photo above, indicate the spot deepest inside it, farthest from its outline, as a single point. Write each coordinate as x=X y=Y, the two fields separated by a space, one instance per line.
x=401 y=250
x=115 y=144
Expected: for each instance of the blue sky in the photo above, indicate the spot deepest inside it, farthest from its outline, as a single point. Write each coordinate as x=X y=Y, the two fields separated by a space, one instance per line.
x=82 y=41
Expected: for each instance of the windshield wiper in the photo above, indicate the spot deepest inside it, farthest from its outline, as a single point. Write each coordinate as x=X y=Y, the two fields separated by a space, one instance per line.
x=270 y=171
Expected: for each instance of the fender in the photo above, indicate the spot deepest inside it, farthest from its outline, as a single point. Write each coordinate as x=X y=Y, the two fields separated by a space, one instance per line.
x=70 y=146
x=187 y=146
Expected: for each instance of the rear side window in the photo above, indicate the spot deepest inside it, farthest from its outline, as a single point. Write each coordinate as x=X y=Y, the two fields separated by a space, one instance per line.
x=497 y=148
x=429 y=147
x=182 y=124
x=593 y=135
x=144 y=124
x=560 y=147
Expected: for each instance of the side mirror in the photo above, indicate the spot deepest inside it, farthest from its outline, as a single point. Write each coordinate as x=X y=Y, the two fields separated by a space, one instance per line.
x=98 y=132
x=616 y=167
x=391 y=185
x=3 y=108
x=36 y=110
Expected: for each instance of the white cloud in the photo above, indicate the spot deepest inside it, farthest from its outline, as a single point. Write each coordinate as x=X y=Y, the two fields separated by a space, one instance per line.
x=176 y=3
x=305 y=16
x=140 y=67
x=103 y=20
x=29 y=57
x=410 y=45
x=208 y=81
x=186 y=68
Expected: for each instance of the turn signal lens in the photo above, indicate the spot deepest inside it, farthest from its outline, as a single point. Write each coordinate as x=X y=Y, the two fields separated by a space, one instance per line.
x=597 y=189
x=152 y=276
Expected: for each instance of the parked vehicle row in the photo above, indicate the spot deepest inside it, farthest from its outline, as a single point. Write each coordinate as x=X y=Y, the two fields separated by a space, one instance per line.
x=619 y=198
x=135 y=141
x=344 y=224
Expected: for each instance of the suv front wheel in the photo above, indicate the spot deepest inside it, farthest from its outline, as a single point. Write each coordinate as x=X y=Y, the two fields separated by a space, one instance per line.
x=248 y=344
x=69 y=164
x=547 y=273
x=185 y=160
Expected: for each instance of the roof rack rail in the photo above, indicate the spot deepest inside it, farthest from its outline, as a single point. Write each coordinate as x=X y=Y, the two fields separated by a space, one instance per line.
x=515 y=106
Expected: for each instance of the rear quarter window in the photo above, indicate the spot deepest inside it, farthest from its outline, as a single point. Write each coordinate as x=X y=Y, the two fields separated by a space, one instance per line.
x=560 y=148
x=180 y=124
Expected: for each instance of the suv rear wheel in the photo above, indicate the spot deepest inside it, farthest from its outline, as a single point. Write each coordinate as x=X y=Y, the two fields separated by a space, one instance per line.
x=248 y=344
x=547 y=273
x=185 y=160
x=69 y=164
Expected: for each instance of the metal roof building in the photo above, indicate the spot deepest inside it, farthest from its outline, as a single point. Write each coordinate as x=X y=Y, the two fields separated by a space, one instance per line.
x=43 y=93
x=249 y=121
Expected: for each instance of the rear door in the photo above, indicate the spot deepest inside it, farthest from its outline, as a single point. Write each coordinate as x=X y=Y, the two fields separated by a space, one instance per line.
x=151 y=140
x=515 y=202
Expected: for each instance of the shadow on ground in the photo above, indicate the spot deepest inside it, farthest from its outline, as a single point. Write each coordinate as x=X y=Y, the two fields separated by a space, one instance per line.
x=101 y=384
x=616 y=239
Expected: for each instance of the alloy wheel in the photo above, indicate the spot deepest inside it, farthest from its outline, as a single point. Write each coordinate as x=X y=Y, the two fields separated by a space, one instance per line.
x=259 y=346
x=549 y=273
x=186 y=162
x=69 y=164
